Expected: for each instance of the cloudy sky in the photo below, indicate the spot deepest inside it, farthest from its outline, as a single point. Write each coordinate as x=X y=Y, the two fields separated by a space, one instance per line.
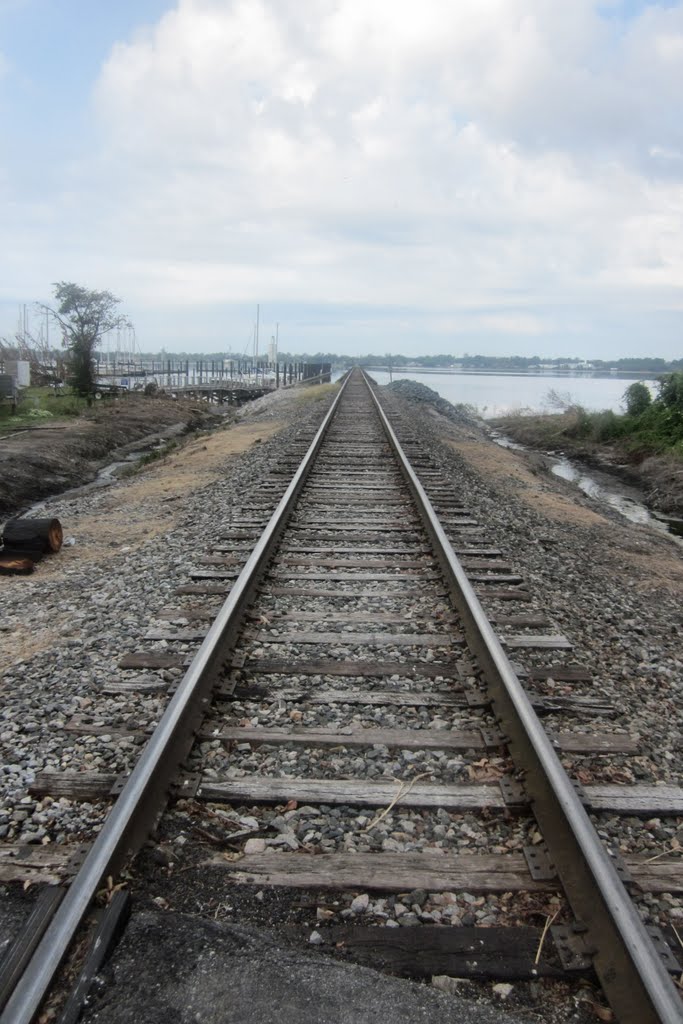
x=498 y=176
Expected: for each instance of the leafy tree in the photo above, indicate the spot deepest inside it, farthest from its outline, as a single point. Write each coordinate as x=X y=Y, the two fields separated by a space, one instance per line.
x=670 y=388
x=638 y=398
x=83 y=317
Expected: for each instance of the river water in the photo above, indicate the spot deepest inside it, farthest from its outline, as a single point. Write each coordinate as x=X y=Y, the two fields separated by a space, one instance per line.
x=495 y=394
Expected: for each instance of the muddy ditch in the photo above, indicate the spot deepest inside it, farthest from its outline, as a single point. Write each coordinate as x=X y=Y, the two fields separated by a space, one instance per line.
x=38 y=462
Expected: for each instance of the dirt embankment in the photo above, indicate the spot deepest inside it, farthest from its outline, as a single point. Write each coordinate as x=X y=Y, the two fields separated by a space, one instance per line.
x=40 y=461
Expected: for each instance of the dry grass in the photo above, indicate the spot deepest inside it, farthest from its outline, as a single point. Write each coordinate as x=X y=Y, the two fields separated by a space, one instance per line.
x=315 y=392
x=503 y=465
x=139 y=508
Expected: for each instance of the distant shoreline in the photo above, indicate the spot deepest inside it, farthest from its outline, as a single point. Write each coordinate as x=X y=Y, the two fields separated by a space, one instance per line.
x=556 y=372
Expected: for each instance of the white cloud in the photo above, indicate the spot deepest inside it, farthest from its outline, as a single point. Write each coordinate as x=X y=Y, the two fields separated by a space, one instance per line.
x=442 y=156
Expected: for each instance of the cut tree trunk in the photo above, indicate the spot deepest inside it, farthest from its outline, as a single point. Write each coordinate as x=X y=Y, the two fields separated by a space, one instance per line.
x=32 y=535
x=15 y=565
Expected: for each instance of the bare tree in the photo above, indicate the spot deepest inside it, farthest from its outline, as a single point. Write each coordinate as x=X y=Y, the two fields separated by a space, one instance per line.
x=47 y=365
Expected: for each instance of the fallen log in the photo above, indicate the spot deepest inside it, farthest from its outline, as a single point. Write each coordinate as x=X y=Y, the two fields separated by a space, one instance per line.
x=33 y=535
x=14 y=565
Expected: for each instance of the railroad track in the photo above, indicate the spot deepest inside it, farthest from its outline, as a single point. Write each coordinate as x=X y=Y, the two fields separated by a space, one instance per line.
x=352 y=724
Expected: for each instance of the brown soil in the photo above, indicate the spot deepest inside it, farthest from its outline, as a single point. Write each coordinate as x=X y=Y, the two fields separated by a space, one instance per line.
x=149 y=503
x=37 y=462
x=490 y=459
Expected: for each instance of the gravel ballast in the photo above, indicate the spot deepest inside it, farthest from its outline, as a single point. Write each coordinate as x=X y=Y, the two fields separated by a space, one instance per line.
x=614 y=589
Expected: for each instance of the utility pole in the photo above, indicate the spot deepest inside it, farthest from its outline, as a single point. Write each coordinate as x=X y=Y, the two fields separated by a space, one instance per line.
x=256 y=345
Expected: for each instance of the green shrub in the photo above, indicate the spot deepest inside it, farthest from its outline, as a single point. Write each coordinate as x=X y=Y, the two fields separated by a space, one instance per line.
x=606 y=425
x=637 y=398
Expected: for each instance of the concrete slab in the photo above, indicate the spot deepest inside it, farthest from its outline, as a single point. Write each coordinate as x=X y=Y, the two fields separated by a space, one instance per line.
x=177 y=969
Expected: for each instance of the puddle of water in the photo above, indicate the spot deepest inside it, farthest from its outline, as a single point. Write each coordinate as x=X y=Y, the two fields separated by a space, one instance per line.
x=623 y=503
x=109 y=473
x=506 y=442
x=603 y=488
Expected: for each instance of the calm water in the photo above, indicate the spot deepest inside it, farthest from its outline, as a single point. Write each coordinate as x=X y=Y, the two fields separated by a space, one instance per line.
x=495 y=394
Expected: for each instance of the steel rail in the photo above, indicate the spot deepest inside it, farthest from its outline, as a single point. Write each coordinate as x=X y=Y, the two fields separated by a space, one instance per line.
x=629 y=967
x=145 y=791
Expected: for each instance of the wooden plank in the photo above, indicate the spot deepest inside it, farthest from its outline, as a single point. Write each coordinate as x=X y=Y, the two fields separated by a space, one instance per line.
x=484 y=563
x=502 y=594
x=212 y=574
x=367 y=639
x=595 y=743
x=395 y=619
x=453 y=698
x=139 y=684
x=408 y=739
x=338 y=526
x=354 y=792
x=359 y=499
x=151 y=659
x=358 y=577
x=357 y=563
x=636 y=799
x=393 y=698
x=341 y=549
x=458 y=521
x=562 y=673
x=555 y=642
x=477 y=954
x=494 y=577
x=480 y=552
x=47 y=864
x=572 y=705
x=306 y=533
x=661 y=875
x=530 y=621
x=406 y=593
x=74 y=785
x=222 y=559
x=388 y=872
x=355 y=669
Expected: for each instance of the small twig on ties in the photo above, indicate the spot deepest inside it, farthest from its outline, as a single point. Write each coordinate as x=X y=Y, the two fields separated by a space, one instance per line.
x=548 y=921
x=403 y=790
x=674 y=848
